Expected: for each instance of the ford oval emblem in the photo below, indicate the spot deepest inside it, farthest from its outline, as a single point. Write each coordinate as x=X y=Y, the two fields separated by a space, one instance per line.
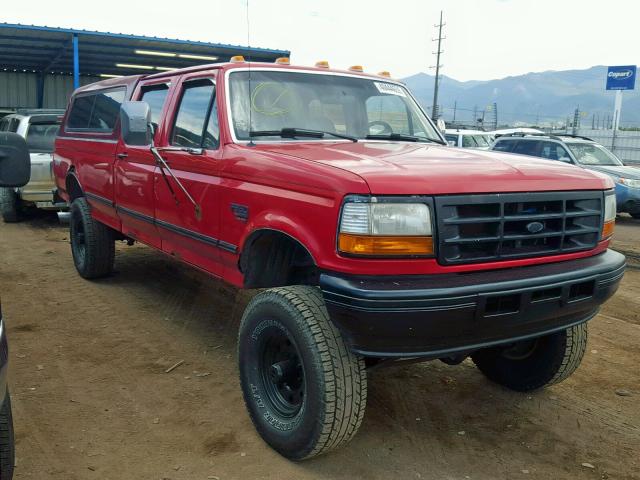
x=535 y=227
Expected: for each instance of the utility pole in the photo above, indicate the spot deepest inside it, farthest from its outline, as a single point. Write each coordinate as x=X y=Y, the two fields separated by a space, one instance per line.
x=576 y=120
x=495 y=115
x=455 y=107
x=434 y=110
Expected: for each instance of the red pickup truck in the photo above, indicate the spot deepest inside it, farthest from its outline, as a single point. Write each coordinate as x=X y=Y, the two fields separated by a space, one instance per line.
x=373 y=242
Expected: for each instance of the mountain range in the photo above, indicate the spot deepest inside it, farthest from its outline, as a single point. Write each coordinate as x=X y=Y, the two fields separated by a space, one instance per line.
x=543 y=98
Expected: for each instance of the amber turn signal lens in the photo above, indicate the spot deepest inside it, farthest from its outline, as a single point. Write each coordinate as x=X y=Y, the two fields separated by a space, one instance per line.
x=607 y=229
x=385 y=245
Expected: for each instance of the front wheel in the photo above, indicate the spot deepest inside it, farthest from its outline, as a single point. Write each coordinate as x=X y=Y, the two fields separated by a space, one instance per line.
x=304 y=389
x=92 y=243
x=9 y=205
x=532 y=364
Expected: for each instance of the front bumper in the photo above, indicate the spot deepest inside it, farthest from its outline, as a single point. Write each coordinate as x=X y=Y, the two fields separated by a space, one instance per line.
x=443 y=315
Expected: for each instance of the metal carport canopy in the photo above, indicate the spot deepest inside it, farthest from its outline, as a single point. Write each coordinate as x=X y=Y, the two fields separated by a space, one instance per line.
x=41 y=49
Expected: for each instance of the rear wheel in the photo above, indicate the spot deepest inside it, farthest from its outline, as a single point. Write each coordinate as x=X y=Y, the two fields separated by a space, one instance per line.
x=7 y=446
x=92 y=243
x=9 y=205
x=304 y=389
x=533 y=364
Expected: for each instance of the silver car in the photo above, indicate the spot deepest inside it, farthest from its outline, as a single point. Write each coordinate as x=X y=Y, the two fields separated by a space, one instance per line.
x=39 y=127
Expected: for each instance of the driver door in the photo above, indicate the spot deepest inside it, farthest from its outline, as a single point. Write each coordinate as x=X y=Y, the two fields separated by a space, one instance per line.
x=191 y=149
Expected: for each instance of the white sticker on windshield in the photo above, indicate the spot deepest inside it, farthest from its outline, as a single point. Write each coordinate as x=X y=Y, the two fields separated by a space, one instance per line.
x=390 y=89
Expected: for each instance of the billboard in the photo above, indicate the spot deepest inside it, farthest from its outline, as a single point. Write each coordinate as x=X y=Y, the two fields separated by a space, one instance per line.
x=621 y=77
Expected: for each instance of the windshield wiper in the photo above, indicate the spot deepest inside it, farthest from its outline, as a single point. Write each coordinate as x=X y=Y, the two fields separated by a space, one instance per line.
x=400 y=136
x=299 y=132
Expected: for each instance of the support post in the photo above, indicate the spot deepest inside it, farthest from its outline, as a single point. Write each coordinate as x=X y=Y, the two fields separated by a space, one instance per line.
x=76 y=63
x=617 y=109
x=40 y=89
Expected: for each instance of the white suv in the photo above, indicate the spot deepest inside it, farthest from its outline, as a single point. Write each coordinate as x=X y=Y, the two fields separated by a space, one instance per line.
x=39 y=128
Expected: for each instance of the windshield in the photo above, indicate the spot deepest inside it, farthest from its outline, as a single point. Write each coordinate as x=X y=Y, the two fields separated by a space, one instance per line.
x=357 y=107
x=591 y=154
x=41 y=136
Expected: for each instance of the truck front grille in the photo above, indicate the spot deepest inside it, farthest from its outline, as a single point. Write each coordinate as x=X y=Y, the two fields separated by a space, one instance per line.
x=481 y=228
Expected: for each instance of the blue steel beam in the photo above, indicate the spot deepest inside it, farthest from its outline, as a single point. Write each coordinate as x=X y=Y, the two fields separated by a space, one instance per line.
x=76 y=62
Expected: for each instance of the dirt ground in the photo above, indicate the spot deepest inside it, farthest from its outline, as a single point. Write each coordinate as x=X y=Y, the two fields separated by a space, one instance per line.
x=92 y=400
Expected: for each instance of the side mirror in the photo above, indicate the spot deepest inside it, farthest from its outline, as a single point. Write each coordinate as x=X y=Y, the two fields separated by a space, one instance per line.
x=135 y=124
x=15 y=163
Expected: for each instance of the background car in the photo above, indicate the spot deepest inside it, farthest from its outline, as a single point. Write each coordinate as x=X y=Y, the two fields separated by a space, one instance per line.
x=468 y=138
x=39 y=128
x=585 y=153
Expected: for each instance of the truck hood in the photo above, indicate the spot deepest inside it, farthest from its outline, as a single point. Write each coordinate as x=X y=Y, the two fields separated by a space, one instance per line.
x=411 y=168
x=617 y=171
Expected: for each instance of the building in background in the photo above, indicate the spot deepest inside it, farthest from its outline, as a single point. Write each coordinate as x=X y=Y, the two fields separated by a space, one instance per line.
x=41 y=66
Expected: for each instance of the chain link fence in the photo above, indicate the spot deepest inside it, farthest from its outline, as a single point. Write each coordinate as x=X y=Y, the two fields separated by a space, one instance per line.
x=625 y=144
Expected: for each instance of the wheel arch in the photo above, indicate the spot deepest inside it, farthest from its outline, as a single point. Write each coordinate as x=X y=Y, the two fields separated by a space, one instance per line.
x=73 y=186
x=271 y=257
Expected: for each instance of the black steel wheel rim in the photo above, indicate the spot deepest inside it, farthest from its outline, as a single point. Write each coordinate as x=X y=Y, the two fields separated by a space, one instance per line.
x=282 y=373
x=521 y=350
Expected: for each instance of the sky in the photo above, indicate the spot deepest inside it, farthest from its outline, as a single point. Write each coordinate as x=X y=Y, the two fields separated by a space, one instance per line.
x=485 y=39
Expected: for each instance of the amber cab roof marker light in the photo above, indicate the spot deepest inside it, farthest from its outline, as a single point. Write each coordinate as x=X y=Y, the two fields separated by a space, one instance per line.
x=322 y=64
x=283 y=61
x=237 y=59
x=356 y=68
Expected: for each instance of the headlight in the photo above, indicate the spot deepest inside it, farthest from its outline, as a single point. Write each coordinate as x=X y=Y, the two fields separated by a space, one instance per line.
x=629 y=182
x=609 y=214
x=385 y=228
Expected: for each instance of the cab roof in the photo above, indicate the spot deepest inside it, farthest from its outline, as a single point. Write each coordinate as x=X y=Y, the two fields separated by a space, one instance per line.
x=131 y=81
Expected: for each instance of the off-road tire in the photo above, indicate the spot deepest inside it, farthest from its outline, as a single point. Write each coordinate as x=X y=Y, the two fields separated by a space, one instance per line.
x=7 y=446
x=9 y=205
x=554 y=358
x=92 y=243
x=335 y=384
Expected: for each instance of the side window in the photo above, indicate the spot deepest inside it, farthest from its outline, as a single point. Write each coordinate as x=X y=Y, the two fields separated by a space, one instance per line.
x=96 y=112
x=504 y=145
x=11 y=125
x=528 y=147
x=468 y=141
x=155 y=95
x=196 y=123
x=452 y=138
x=554 y=151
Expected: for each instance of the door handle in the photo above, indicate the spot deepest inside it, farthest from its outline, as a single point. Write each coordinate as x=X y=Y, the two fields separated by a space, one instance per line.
x=122 y=155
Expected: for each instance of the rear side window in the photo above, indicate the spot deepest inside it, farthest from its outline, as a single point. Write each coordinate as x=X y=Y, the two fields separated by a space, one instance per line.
x=155 y=96
x=96 y=112
x=504 y=145
x=9 y=124
x=528 y=147
x=196 y=124
x=554 y=151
